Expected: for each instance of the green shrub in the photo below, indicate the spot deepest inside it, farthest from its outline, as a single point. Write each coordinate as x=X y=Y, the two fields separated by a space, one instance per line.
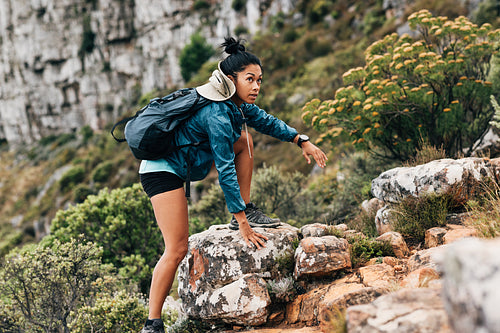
x=119 y=312
x=86 y=133
x=88 y=38
x=414 y=215
x=81 y=192
x=194 y=55
x=425 y=154
x=238 y=5
x=210 y=209
x=414 y=89
x=363 y=249
x=44 y=284
x=496 y=118
x=282 y=194
x=240 y=30
x=121 y=222
x=72 y=177
x=102 y=172
x=364 y=222
x=201 y=4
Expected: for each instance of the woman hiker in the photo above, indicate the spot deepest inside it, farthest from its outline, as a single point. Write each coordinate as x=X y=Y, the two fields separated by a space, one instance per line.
x=234 y=88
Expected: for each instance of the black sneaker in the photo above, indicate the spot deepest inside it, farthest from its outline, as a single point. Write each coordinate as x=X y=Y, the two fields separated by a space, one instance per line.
x=155 y=327
x=256 y=219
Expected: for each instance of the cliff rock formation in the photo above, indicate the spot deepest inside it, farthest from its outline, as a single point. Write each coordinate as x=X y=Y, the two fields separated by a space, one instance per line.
x=69 y=63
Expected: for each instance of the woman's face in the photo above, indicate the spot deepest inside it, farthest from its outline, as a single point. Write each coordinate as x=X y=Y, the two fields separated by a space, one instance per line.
x=247 y=84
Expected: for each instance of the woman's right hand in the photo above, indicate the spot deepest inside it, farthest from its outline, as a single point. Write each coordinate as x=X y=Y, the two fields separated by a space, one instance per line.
x=251 y=237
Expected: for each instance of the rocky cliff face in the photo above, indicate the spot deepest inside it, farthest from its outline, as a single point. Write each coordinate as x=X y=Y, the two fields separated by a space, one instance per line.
x=69 y=63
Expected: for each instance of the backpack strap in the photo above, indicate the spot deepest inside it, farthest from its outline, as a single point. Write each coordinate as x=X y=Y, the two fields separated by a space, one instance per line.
x=123 y=121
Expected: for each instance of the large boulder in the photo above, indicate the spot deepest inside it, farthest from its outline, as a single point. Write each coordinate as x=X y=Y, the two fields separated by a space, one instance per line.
x=319 y=256
x=463 y=176
x=407 y=310
x=222 y=279
x=471 y=276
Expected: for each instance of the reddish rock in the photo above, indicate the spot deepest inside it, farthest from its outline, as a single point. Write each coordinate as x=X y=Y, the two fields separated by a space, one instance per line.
x=434 y=237
x=457 y=232
x=320 y=256
x=397 y=242
x=419 y=278
x=406 y=310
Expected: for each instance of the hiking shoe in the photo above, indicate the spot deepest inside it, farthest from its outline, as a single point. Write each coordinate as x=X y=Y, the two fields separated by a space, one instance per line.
x=155 y=327
x=256 y=219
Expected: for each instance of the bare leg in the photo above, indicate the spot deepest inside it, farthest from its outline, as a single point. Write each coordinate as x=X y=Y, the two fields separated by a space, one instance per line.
x=171 y=213
x=244 y=164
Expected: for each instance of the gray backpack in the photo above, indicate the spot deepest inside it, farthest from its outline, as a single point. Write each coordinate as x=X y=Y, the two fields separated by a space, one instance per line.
x=150 y=132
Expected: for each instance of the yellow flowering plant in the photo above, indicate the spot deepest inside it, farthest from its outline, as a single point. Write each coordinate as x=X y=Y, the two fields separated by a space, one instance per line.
x=434 y=88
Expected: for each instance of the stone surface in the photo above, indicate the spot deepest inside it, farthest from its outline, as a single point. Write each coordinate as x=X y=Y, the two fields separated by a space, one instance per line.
x=397 y=242
x=471 y=276
x=318 y=256
x=340 y=297
x=463 y=176
x=222 y=278
x=372 y=206
x=407 y=310
x=434 y=237
x=314 y=230
x=379 y=276
x=383 y=219
x=457 y=232
x=420 y=278
x=425 y=258
x=49 y=86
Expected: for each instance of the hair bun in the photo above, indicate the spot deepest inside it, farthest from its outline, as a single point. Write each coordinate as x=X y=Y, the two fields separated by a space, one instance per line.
x=232 y=46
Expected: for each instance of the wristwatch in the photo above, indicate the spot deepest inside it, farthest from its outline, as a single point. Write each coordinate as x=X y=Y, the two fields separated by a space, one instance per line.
x=302 y=138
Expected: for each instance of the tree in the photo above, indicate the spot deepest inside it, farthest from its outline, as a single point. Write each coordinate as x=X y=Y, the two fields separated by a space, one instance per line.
x=121 y=222
x=46 y=283
x=434 y=90
x=194 y=55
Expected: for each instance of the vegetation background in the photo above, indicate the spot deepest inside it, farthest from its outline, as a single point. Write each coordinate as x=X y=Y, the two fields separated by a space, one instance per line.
x=86 y=232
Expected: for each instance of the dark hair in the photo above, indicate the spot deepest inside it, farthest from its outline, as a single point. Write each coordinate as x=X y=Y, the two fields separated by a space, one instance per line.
x=238 y=58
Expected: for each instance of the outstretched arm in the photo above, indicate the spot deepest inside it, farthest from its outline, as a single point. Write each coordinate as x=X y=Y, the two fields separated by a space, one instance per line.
x=309 y=149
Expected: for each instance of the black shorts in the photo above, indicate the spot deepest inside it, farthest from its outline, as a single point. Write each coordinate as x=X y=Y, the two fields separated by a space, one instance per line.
x=158 y=182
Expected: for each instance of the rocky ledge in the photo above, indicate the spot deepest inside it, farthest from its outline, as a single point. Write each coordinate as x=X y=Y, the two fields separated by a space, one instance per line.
x=304 y=278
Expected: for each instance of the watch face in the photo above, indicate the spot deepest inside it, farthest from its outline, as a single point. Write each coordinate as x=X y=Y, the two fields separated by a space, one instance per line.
x=303 y=137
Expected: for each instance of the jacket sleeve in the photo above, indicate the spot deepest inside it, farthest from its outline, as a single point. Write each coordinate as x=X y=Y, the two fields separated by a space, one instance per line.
x=268 y=124
x=220 y=135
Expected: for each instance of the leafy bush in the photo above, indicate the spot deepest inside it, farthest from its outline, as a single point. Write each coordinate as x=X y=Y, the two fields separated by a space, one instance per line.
x=434 y=88
x=194 y=55
x=364 y=222
x=425 y=154
x=238 y=5
x=414 y=215
x=484 y=211
x=496 y=118
x=44 y=284
x=72 y=177
x=363 y=249
x=81 y=192
x=118 y=312
x=210 y=209
x=282 y=194
x=121 y=222
x=201 y=4
x=103 y=171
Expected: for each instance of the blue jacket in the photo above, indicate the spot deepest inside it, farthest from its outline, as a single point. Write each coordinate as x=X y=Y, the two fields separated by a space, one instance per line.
x=218 y=126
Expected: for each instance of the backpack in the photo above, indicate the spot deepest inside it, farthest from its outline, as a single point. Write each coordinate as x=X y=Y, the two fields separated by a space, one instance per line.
x=150 y=132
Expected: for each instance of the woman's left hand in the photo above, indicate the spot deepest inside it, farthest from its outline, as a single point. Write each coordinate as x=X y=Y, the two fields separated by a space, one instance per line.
x=309 y=149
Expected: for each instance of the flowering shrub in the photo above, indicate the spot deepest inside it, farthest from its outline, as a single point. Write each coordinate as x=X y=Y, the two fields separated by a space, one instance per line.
x=433 y=90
